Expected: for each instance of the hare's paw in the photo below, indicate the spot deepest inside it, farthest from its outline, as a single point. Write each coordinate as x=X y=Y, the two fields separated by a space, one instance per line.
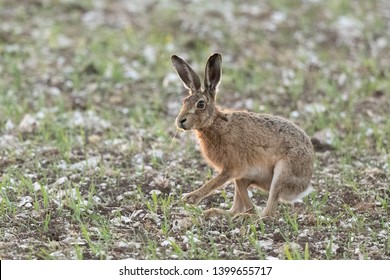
x=215 y=213
x=249 y=214
x=192 y=198
x=267 y=214
x=246 y=216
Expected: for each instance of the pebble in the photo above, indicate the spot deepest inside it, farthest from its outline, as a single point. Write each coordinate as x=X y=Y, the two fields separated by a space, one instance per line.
x=90 y=163
x=24 y=200
x=28 y=124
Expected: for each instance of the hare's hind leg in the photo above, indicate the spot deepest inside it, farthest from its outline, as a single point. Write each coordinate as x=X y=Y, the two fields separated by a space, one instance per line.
x=285 y=186
x=280 y=177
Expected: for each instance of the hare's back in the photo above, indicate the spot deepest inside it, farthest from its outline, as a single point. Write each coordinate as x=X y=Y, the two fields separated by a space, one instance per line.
x=269 y=129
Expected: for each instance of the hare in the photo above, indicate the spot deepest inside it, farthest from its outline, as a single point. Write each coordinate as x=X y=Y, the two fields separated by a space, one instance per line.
x=259 y=150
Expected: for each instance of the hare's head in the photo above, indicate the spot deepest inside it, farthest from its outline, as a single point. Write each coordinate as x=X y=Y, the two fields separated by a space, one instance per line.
x=198 y=109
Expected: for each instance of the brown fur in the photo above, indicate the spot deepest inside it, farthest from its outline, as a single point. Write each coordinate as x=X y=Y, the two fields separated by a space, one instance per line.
x=261 y=150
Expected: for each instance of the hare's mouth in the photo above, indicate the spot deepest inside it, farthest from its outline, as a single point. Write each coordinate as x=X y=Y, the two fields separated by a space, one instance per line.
x=182 y=126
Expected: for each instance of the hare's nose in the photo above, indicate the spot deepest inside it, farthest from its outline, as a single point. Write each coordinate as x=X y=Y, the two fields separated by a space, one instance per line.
x=182 y=121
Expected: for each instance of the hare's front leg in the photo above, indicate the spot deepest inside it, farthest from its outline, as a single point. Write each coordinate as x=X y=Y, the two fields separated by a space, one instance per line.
x=242 y=204
x=196 y=196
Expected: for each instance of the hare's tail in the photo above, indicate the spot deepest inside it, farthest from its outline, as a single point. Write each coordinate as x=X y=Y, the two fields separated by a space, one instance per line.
x=299 y=197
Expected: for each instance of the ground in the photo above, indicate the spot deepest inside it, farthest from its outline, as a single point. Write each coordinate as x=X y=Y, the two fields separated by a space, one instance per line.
x=92 y=166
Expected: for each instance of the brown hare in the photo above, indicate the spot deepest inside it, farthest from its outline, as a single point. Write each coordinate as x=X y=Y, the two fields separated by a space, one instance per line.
x=259 y=150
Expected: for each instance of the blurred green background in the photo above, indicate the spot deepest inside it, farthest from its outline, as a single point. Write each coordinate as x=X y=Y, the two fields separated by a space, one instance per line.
x=88 y=100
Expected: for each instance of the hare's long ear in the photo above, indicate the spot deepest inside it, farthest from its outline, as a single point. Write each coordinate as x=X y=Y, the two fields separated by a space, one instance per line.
x=213 y=73
x=188 y=76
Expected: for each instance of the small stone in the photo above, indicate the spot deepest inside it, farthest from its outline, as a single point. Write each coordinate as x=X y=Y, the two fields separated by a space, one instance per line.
x=8 y=142
x=137 y=213
x=315 y=108
x=156 y=192
x=136 y=224
x=136 y=245
x=24 y=200
x=94 y=139
x=167 y=242
x=90 y=163
x=9 y=125
x=185 y=239
x=61 y=181
x=238 y=252
x=121 y=244
x=158 y=154
x=265 y=244
x=28 y=124
x=291 y=245
x=125 y=219
x=184 y=223
x=294 y=114
x=36 y=186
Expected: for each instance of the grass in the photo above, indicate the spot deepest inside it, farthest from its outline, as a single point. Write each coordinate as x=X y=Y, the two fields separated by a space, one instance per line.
x=99 y=84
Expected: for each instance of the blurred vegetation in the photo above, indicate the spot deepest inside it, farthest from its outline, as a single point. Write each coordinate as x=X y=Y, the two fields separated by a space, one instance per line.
x=90 y=82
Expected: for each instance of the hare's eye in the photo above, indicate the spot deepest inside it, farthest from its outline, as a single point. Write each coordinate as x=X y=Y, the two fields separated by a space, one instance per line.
x=200 y=104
